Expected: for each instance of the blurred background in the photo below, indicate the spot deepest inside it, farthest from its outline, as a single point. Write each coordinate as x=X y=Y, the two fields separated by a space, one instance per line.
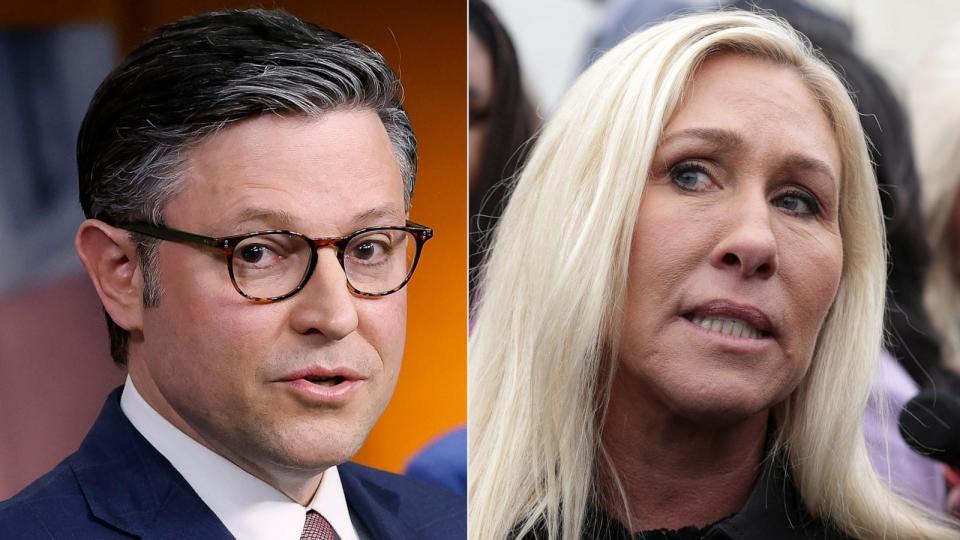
x=554 y=38
x=55 y=367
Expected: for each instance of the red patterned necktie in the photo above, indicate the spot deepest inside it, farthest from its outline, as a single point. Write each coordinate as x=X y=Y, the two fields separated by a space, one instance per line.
x=317 y=528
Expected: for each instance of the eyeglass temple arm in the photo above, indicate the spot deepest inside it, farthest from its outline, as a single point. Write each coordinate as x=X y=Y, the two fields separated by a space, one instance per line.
x=427 y=232
x=174 y=235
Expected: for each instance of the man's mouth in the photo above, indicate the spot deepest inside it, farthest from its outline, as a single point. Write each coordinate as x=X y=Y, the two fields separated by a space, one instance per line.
x=325 y=381
x=324 y=386
x=323 y=376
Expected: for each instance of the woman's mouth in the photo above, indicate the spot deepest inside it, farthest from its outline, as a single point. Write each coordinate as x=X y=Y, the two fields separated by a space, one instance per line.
x=732 y=319
x=727 y=326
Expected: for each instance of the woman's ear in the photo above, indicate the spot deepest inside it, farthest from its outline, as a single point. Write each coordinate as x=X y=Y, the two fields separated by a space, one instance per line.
x=110 y=257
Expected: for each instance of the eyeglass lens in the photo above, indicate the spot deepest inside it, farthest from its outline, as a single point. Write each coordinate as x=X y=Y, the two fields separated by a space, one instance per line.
x=275 y=264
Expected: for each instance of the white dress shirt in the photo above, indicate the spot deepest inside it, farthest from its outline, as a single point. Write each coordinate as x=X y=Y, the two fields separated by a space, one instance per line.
x=248 y=507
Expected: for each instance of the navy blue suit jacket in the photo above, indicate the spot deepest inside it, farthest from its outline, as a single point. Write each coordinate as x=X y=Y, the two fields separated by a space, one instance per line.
x=118 y=486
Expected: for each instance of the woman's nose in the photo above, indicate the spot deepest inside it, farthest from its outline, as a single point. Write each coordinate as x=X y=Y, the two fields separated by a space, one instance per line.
x=748 y=244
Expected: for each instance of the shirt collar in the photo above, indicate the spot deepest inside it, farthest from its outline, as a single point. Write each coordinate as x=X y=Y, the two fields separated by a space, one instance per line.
x=776 y=508
x=248 y=507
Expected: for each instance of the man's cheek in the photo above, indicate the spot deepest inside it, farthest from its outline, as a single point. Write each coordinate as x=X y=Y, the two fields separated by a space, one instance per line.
x=384 y=324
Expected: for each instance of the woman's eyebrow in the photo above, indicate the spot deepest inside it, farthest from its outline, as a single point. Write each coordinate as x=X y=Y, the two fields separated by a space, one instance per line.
x=723 y=139
x=807 y=163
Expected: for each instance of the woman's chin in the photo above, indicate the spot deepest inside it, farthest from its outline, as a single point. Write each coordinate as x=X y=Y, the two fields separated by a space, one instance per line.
x=719 y=405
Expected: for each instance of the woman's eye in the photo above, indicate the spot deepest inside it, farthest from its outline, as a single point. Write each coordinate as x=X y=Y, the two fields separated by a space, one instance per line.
x=690 y=177
x=478 y=116
x=798 y=203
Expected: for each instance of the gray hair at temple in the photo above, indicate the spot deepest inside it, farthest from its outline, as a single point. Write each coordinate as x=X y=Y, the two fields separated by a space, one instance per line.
x=195 y=77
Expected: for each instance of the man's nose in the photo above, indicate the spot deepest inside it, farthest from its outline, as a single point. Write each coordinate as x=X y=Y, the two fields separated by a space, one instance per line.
x=748 y=244
x=325 y=305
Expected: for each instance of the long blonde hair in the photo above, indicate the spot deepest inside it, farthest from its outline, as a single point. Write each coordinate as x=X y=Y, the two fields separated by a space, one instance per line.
x=555 y=280
x=936 y=126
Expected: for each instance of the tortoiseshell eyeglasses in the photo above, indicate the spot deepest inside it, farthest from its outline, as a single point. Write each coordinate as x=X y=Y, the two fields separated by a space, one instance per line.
x=269 y=266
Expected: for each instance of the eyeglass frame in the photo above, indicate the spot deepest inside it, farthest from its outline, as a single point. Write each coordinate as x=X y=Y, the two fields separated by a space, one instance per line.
x=228 y=244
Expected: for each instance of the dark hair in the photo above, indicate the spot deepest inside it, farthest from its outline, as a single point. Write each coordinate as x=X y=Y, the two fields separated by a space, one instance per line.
x=911 y=337
x=199 y=75
x=511 y=126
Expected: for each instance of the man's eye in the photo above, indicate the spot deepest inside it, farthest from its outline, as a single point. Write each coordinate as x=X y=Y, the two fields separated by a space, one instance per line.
x=690 y=177
x=256 y=254
x=368 y=250
x=365 y=250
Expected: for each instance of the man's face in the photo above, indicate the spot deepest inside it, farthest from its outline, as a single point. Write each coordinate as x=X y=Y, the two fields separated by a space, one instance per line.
x=218 y=365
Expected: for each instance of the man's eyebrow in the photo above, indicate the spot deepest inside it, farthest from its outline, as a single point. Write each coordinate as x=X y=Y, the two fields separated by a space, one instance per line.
x=277 y=218
x=378 y=213
x=283 y=220
x=723 y=139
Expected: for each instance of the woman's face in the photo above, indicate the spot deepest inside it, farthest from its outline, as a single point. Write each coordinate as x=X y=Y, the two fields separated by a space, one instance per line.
x=736 y=253
x=481 y=96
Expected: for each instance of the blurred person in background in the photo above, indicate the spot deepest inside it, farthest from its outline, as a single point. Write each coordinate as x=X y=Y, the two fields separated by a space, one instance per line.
x=911 y=358
x=49 y=77
x=52 y=338
x=443 y=462
x=621 y=18
x=935 y=110
x=683 y=306
x=502 y=122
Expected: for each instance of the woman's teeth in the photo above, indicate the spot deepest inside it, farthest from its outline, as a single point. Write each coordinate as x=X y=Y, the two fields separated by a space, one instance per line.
x=727 y=326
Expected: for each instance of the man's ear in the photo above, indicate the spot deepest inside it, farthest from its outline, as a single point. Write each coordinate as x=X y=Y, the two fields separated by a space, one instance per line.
x=111 y=260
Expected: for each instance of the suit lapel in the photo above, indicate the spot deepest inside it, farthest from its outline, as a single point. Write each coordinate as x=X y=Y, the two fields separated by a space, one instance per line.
x=185 y=516
x=130 y=486
x=376 y=506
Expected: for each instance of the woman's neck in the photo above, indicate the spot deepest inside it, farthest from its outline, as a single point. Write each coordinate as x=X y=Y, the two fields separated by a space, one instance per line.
x=676 y=472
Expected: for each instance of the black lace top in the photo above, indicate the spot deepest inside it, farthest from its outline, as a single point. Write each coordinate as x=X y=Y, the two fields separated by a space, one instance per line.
x=599 y=524
x=774 y=511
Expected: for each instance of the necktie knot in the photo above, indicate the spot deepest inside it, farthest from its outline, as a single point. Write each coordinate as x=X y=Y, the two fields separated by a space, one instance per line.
x=317 y=528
